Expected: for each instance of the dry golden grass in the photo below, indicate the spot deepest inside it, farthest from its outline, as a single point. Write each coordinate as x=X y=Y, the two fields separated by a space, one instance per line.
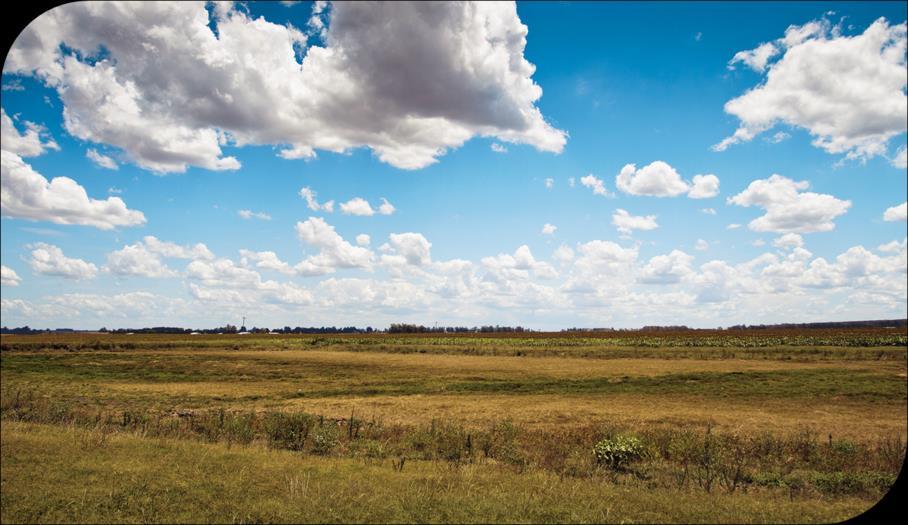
x=854 y=420
x=55 y=474
x=260 y=386
x=478 y=390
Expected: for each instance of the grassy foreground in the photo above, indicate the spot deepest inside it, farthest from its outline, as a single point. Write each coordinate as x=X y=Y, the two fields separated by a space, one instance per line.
x=65 y=474
x=730 y=427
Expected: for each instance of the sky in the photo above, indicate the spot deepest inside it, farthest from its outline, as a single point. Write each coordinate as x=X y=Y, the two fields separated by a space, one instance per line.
x=544 y=164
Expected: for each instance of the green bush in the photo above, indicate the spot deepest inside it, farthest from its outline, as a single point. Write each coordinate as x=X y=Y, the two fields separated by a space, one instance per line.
x=325 y=439
x=849 y=483
x=617 y=453
x=288 y=431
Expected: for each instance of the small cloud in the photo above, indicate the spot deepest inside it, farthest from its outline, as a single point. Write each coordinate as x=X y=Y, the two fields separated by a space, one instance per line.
x=386 y=208
x=896 y=213
x=778 y=137
x=901 y=158
x=101 y=160
x=114 y=191
x=758 y=243
x=549 y=183
x=363 y=239
x=626 y=223
x=498 y=148
x=708 y=211
x=701 y=245
x=248 y=214
x=733 y=226
x=357 y=206
x=309 y=196
x=9 y=277
x=13 y=85
x=595 y=184
x=549 y=229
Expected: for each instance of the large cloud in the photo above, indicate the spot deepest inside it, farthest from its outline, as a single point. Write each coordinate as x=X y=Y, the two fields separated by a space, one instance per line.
x=788 y=208
x=407 y=80
x=26 y=194
x=848 y=92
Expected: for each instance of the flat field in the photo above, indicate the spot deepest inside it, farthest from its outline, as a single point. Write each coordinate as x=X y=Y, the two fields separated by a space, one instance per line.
x=746 y=426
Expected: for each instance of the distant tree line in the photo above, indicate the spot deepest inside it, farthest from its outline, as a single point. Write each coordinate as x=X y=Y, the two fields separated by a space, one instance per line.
x=885 y=323
x=404 y=328
x=25 y=330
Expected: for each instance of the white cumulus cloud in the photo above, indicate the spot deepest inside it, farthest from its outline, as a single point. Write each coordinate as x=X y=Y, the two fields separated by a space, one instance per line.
x=409 y=81
x=595 y=184
x=898 y=212
x=789 y=209
x=310 y=197
x=386 y=208
x=47 y=259
x=26 y=194
x=9 y=277
x=847 y=91
x=28 y=144
x=704 y=187
x=357 y=206
x=137 y=260
x=755 y=59
x=659 y=179
x=334 y=251
x=626 y=223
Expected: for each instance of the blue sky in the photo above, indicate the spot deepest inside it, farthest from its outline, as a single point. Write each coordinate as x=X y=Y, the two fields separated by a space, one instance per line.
x=621 y=83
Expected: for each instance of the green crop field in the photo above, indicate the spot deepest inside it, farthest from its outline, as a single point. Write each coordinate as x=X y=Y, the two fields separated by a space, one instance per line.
x=699 y=426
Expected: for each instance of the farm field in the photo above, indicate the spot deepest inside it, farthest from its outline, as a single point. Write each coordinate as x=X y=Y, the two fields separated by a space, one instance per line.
x=746 y=426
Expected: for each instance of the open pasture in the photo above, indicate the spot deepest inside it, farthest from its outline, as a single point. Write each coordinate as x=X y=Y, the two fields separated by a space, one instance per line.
x=818 y=418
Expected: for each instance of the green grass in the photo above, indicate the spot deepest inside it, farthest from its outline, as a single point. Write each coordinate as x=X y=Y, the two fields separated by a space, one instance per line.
x=827 y=383
x=60 y=474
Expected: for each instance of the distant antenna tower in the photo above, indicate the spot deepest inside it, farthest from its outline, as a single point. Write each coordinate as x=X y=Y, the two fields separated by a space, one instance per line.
x=244 y=322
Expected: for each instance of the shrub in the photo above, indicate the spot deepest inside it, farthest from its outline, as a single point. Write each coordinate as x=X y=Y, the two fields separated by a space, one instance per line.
x=849 y=483
x=619 y=452
x=324 y=439
x=287 y=431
